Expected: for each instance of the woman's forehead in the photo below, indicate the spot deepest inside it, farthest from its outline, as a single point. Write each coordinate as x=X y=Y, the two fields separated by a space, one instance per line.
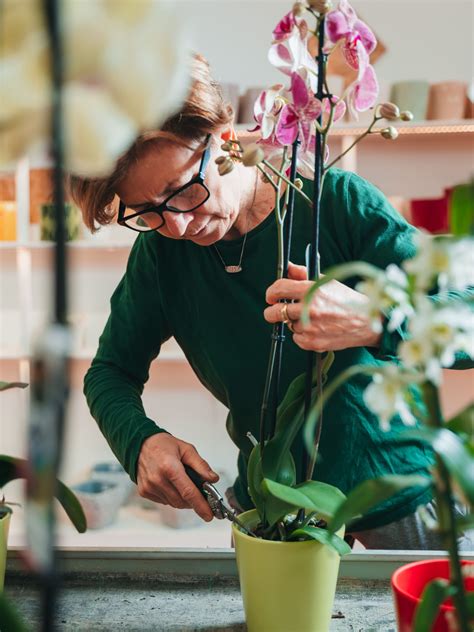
x=160 y=166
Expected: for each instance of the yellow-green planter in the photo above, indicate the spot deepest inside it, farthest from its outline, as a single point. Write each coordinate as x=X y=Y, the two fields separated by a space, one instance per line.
x=4 y=525
x=285 y=585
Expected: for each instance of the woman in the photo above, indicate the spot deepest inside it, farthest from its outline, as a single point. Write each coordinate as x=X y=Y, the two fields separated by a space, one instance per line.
x=203 y=271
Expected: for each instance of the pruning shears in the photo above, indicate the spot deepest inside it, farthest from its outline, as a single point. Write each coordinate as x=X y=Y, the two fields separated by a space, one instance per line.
x=215 y=499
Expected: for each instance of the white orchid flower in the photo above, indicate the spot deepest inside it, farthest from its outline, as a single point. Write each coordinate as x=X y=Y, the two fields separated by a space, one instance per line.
x=436 y=335
x=125 y=71
x=450 y=262
x=388 y=295
x=385 y=396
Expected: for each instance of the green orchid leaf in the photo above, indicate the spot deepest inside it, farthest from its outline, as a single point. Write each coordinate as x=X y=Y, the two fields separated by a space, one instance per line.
x=289 y=422
x=370 y=493
x=275 y=461
x=339 y=273
x=464 y=523
x=328 y=392
x=5 y=386
x=12 y=468
x=324 y=536
x=276 y=509
x=315 y=496
x=455 y=454
x=255 y=478
x=434 y=594
x=463 y=423
x=9 y=618
x=461 y=210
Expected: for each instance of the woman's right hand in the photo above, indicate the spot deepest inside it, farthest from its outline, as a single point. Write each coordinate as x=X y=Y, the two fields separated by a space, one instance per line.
x=161 y=476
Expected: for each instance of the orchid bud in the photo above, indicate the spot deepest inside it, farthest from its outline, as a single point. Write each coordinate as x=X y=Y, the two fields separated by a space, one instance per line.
x=320 y=6
x=220 y=159
x=406 y=115
x=390 y=133
x=226 y=166
x=227 y=146
x=253 y=155
x=298 y=183
x=299 y=8
x=389 y=111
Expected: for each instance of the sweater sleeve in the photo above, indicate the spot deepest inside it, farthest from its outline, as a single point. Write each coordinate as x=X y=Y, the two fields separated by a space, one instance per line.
x=380 y=236
x=132 y=338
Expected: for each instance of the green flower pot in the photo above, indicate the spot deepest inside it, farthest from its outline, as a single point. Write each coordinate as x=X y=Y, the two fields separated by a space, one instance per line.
x=285 y=585
x=4 y=526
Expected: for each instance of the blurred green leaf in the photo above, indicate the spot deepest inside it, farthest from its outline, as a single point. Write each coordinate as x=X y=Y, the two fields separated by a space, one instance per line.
x=5 y=386
x=330 y=389
x=9 y=619
x=12 y=468
x=312 y=495
x=455 y=454
x=370 y=493
x=464 y=523
x=463 y=423
x=432 y=597
x=324 y=536
x=461 y=211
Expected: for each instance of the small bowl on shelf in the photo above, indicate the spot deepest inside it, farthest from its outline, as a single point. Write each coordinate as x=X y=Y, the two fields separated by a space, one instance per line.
x=100 y=501
x=113 y=472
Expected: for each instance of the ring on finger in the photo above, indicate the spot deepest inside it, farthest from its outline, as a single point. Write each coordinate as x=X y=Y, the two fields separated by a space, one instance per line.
x=284 y=314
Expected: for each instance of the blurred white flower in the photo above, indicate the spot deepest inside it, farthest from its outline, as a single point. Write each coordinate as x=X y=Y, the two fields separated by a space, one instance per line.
x=385 y=396
x=387 y=295
x=436 y=335
x=450 y=262
x=125 y=71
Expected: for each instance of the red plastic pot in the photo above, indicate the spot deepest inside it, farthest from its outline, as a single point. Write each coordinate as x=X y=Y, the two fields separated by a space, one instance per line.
x=408 y=583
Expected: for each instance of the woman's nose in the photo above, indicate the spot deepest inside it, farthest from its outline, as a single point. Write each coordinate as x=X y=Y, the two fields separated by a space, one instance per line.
x=176 y=223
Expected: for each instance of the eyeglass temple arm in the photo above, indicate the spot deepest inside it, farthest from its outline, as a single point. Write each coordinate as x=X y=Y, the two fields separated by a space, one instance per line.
x=205 y=158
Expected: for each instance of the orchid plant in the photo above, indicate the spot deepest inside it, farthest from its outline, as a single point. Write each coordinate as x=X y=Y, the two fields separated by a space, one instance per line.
x=425 y=299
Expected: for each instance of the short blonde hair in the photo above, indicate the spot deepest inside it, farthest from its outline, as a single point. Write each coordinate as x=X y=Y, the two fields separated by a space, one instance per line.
x=204 y=112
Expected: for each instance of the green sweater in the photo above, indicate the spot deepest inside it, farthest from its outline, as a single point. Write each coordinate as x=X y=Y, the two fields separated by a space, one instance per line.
x=177 y=288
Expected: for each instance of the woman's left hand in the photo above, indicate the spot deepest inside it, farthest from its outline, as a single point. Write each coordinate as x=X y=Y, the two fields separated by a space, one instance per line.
x=335 y=322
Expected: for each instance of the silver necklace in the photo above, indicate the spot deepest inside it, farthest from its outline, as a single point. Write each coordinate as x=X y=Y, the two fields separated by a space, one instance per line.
x=238 y=268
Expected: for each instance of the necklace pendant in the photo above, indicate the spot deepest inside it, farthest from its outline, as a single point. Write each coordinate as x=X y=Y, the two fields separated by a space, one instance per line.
x=233 y=269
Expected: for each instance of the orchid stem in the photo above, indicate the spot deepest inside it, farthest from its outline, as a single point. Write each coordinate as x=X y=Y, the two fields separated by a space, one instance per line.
x=285 y=179
x=444 y=498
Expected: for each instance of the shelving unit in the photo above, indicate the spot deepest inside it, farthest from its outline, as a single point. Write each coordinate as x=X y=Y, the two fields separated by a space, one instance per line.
x=426 y=157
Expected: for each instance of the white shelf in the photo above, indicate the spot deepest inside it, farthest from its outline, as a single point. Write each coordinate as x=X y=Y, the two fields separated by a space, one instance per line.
x=133 y=526
x=419 y=128
x=73 y=245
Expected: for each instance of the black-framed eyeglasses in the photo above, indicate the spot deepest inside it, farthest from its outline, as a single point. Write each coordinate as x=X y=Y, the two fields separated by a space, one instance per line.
x=184 y=200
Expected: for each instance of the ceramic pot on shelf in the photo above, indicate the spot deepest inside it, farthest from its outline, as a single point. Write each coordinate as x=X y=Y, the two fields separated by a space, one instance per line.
x=447 y=100
x=408 y=583
x=411 y=95
x=299 y=579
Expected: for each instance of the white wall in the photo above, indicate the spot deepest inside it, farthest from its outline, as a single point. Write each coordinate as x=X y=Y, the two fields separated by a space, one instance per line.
x=425 y=39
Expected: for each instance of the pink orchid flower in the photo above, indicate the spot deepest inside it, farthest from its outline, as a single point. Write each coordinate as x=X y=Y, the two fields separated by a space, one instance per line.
x=298 y=117
x=266 y=109
x=287 y=25
x=292 y=55
x=362 y=94
x=343 y=24
x=339 y=110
